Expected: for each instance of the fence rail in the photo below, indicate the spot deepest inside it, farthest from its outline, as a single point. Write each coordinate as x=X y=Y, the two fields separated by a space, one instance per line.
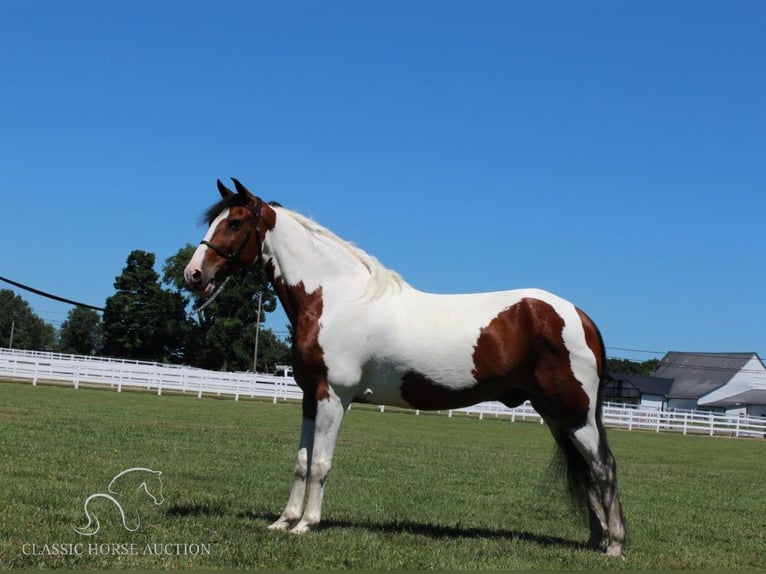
x=120 y=374
x=156 y=377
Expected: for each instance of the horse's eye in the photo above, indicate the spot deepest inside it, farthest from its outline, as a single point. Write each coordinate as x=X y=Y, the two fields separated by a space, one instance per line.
x=235 y=224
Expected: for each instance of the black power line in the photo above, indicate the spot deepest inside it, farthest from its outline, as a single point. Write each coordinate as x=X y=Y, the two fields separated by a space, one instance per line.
x=50 y=295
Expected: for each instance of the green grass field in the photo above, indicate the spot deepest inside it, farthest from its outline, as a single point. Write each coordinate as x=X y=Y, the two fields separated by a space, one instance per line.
x=406 y=492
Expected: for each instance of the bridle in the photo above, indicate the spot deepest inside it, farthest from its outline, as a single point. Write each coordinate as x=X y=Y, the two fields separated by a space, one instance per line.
x=232 y=257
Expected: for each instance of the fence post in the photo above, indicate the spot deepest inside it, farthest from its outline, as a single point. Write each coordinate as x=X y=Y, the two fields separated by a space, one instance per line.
x=710 y=422
x=686 y=422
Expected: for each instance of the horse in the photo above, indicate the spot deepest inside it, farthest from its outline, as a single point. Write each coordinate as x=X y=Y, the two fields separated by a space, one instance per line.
x=126 y=485
x=362 y=334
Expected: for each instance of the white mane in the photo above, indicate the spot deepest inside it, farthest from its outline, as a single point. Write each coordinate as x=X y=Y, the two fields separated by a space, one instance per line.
x=381 y=278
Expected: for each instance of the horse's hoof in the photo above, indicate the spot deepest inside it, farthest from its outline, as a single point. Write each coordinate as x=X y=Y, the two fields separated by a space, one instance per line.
x=302 y=528
x=280 y=524
x=615 y=551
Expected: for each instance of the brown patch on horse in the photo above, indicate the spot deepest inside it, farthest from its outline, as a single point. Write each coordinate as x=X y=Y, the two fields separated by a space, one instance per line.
x=304 y=310
x=420 y=392
x=501 y=368
x=282 y=291
x=558 y=393
x=505 y=346
x=519 y=355
x=267 y=219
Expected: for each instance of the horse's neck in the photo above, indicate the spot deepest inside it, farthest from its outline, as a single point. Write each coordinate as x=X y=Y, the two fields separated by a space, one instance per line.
x=128 y=483
x=302 y=257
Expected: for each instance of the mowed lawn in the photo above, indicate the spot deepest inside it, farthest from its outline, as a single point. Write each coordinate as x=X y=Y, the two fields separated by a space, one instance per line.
x=406 y=491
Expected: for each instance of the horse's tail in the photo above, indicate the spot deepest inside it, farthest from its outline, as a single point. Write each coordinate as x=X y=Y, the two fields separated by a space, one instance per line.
x=570 y=462
x=89 y=529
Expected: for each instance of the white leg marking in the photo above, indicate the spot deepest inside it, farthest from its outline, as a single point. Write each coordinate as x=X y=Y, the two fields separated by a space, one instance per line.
x=587 y=441
x=292 y=512
x=329 y=417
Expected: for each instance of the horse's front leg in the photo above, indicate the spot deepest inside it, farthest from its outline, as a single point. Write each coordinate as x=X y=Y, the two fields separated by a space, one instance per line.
x=292 y=512
x=329 y=416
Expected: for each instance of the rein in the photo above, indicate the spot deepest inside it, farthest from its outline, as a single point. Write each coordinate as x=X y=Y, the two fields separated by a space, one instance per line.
x=231 y=258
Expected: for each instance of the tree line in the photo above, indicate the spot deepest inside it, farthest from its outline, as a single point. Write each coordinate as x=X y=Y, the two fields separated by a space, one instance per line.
x=148 y=319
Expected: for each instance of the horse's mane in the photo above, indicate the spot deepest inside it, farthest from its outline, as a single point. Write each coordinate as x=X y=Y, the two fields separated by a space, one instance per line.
x=381 y=278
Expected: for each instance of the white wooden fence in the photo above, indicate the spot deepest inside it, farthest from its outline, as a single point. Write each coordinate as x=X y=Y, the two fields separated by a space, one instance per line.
x=620 y=416
x=156 y=377
x=122 y=374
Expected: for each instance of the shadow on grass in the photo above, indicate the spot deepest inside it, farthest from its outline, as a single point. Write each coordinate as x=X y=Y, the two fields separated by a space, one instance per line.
x=391 y=527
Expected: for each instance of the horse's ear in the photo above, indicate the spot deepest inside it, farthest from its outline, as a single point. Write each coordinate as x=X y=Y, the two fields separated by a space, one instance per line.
x=241 y=189
x=223 y=190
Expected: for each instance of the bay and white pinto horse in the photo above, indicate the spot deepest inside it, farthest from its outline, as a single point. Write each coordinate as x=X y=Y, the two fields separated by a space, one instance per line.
x=360 y=333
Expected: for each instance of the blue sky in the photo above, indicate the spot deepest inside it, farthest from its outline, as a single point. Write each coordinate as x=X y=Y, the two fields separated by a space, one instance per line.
x=611 y=152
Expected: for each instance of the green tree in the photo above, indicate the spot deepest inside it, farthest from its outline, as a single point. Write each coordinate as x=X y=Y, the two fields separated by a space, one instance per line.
x=629 y=367
x=81 y=333
x=20 y=327
x=141 y=320
x=223 y=334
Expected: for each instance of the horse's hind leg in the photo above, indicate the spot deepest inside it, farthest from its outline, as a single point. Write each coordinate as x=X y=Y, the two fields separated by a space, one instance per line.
x=582 y=486
x=590 y=441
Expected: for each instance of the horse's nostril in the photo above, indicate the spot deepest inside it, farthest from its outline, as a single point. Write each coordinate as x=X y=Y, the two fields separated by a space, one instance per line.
x=196 y=275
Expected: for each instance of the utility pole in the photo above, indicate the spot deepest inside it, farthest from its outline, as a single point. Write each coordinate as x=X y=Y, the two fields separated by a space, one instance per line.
x=257 y=331
x=13 y=327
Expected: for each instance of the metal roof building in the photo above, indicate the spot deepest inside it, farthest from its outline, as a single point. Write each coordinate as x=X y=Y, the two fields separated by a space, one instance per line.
x=713 y=380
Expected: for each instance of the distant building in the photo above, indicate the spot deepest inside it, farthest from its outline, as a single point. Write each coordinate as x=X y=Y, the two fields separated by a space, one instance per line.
x=647 y=392
x=734 y=382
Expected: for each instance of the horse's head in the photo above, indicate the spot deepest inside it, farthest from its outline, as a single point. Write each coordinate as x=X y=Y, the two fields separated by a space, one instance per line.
x=238 y=224
x=153 y=486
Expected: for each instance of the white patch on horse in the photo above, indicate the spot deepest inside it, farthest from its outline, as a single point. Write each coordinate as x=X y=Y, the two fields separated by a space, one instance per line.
x=197 y=260
x=583 y=362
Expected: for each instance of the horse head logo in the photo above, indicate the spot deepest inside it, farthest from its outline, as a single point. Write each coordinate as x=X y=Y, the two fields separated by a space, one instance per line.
x=125 y=491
